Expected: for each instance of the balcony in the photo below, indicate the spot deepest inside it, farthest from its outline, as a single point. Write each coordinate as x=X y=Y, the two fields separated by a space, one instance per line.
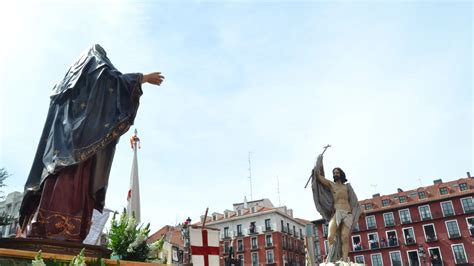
x=447 y=214
x=374 y=245
x=389 y=224
x=239 y=234
x=410 y=242
x=454 y=236
x=226 y=236
x=371 y=227
x=254 y=247
x=268 y=245
x=469 y=211
x=253 y=231
x=426 y=218
x=393 y=242
x=431 y=238
x=268 y=229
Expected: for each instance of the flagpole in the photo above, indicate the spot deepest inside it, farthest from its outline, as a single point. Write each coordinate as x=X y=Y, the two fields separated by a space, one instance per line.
x=133 y=197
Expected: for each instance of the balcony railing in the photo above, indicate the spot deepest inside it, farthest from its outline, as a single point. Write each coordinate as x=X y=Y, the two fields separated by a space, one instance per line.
x=240 y=234
x=253 y=230
x=254 y=247
x=268 y=229
x=426 y=218
x=430 y=239
x=454 y=236
x=269 y=244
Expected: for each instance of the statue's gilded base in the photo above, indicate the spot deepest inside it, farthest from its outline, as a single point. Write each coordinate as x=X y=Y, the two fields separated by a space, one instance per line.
x=54 y=246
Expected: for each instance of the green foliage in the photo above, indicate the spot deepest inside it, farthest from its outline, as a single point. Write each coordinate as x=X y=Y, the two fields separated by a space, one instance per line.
x=79 y=260
x=155 y=249
x=3 y=176
x=128 y=240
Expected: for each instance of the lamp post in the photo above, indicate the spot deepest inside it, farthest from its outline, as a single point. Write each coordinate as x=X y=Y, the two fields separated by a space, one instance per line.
x=187 y=246
x=422 y=254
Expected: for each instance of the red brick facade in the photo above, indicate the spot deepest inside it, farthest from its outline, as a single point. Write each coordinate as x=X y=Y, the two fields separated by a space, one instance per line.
x=424 y=222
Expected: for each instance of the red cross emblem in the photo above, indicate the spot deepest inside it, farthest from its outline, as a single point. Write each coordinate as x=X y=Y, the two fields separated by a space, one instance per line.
x=205 y=250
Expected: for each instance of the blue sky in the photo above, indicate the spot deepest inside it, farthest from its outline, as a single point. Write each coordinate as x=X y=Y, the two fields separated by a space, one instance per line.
x=388 y=84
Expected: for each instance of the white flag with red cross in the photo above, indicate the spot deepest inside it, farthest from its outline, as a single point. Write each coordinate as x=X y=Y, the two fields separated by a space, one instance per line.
x=204 y=246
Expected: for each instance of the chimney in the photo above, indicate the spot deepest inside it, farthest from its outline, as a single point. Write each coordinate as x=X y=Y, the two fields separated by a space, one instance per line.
x=468 y=175
x=376 y=195
x=437 y=181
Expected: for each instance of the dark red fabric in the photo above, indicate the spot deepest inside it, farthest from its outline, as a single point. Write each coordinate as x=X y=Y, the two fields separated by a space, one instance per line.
x=205 y=250
x=66 y=205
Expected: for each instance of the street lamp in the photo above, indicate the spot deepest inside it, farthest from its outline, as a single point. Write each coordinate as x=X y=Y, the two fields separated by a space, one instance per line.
x=422 y=254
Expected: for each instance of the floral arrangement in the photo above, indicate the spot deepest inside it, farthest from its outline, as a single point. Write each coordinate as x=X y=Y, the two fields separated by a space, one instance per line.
x=79 y=260
x=127 y=239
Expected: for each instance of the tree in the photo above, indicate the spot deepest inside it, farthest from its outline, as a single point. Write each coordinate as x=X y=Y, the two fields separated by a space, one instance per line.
x=5 y=218
x=3 y=176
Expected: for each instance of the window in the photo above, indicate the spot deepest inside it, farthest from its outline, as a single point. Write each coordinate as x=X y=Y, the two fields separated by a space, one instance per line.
x=326 y=247
x=459 y=253
x=409 y=235
x=396 y=258
x=240 y=245
x=269 y=256
x=421 y=195
x=453 y=229
x=226 y=232
x=368 y=206
x=430 y=232
x=268 y=240
x=359 y=259
x=463 y=186
x=435 y=255
x=470 y=225
x=239 y=212
x=402 y=199
x=253 y=228
x=447 y=208
x=443 y=191
x=294 y=230
x=413 y=258
x=282 y=226
x=240 y=257
x=239 y=230
x=356 y=227
x=370 y=220
x=268 y=227
x=301 y=233
x=255 y=259
x=405 y=216
x=356 y=245
x=254 y=243
x=467 y=205
x=288 y=228
x=226 y=247
x=425 y=213
x=385 y=202
x=373 y=241
x=325 y=230
x=392 y=238
x=376 y=259
x=388 y=219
